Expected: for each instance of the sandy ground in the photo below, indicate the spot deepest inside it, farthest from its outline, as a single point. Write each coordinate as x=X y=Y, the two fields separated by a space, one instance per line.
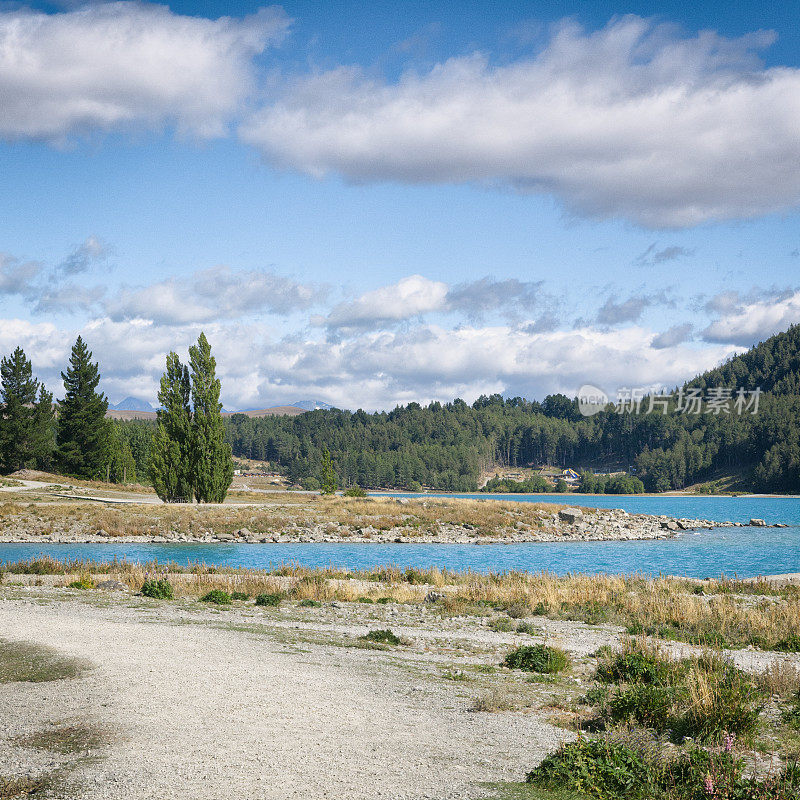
x=200 y=709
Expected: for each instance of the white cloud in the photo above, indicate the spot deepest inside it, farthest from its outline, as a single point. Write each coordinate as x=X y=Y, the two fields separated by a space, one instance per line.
x=633 y=120
x=405 y=299
x=747 y=322
x=214 y=294
x=119 y=65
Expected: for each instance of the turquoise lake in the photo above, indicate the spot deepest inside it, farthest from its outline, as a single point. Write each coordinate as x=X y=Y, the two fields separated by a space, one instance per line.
x=743 y=552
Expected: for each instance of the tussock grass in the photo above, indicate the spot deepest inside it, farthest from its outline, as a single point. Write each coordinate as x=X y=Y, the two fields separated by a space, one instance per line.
x=279 y=514
x=727 y=613
x=34 y=663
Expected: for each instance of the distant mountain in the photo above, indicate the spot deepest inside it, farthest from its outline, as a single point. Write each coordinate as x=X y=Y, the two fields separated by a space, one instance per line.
x=311 y=405
x=132 y=404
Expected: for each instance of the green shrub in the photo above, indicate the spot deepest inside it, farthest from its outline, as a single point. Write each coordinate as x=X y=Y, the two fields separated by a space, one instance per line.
x=789 y=645
x=240 y=596
x=269 y=599
x=635 y=663
x=595 y=768
x=86 y=581
x=158 y=588
x=537 y=658
x=384 y=600
x=217 y=597
x=310 y=604
x=526 y=627
x=354 y=491
x=366 y=600
x=385 y=636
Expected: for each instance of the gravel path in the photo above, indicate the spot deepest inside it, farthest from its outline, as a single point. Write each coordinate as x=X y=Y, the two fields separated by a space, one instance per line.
x=204 y=713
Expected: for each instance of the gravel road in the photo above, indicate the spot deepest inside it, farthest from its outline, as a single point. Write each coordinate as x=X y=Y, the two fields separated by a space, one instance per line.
x=200 y=708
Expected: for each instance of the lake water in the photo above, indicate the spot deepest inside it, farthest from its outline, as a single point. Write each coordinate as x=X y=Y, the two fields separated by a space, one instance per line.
x=743 y=552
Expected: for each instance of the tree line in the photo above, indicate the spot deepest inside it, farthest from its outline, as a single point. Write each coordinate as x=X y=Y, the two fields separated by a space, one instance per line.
x=442 y=445
x=185 y=457
x=448 y=446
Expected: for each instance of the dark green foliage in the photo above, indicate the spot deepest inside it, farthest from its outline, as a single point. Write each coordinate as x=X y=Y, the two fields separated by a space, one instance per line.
x=82 y=431
x=354 y=491
x=533 y=485
x=269 y=599
x=597 y=769
x=328 y=479
x=170 y=462
x=217 y=597
x=447 y=445
x=307 y=603
x=606 y=769
x=241 y=596
x=696 y=697
x=27 y=426
x=384 y=636
x=537 y=658
x=211 y=462
x=157 y=588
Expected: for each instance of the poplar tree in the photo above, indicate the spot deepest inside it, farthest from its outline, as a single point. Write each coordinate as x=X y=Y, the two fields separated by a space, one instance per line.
x=170 y=455
x=211 y=461
x=328 y=473
x=26 y=428
x=82 y=430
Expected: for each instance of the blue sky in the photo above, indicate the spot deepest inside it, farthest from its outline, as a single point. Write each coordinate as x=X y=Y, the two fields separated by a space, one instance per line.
x=373 y=203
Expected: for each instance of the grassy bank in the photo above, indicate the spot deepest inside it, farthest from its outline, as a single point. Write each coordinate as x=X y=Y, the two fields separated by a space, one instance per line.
x=719 y=613
x=279 y=514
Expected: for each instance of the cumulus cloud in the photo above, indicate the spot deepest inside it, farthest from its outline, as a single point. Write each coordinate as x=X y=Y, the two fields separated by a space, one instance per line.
x=654 y=256
x=634 y=120
x=675 y=335
x=409 y=297
x=119 y=65
x=214 y=294
x=746 y=322
x=260 y=366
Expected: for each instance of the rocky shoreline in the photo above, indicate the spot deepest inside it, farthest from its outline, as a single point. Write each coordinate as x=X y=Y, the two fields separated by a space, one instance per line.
x=566 y=524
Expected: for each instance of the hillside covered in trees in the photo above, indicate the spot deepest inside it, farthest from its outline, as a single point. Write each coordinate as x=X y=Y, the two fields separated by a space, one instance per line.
x=449 y=445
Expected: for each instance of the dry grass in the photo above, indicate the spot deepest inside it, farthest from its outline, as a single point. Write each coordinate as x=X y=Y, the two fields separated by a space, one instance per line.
x=282 y=513
x=781 y=678
x=726 y=614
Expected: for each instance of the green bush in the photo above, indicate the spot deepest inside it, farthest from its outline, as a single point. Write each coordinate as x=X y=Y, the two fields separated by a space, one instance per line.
x=385 y=636
x=217 y=597
x=354 y=491
x=537 y=658
x=595 y=768
x=158 y=588
x=240 y=596
x=310 y=603
x=605 y=769
x=702 y=697
x=84 y=582
x=366 y=600
x=269 y=599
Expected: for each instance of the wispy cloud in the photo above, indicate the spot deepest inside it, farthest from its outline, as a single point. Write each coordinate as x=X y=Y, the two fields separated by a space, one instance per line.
x=653 y=256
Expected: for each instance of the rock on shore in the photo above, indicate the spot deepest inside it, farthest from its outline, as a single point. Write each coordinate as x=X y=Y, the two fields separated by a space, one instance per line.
x=566 y=524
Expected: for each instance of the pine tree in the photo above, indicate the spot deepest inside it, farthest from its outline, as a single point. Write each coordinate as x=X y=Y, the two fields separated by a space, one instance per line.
x=26 y=430
x=328 y=473
x=82 y=430
x=211 y=462
x=170 y=454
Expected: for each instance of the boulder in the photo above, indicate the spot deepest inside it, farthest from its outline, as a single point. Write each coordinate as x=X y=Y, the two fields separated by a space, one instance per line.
x=758 y=523
x=112 y=586
x=570 y=515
